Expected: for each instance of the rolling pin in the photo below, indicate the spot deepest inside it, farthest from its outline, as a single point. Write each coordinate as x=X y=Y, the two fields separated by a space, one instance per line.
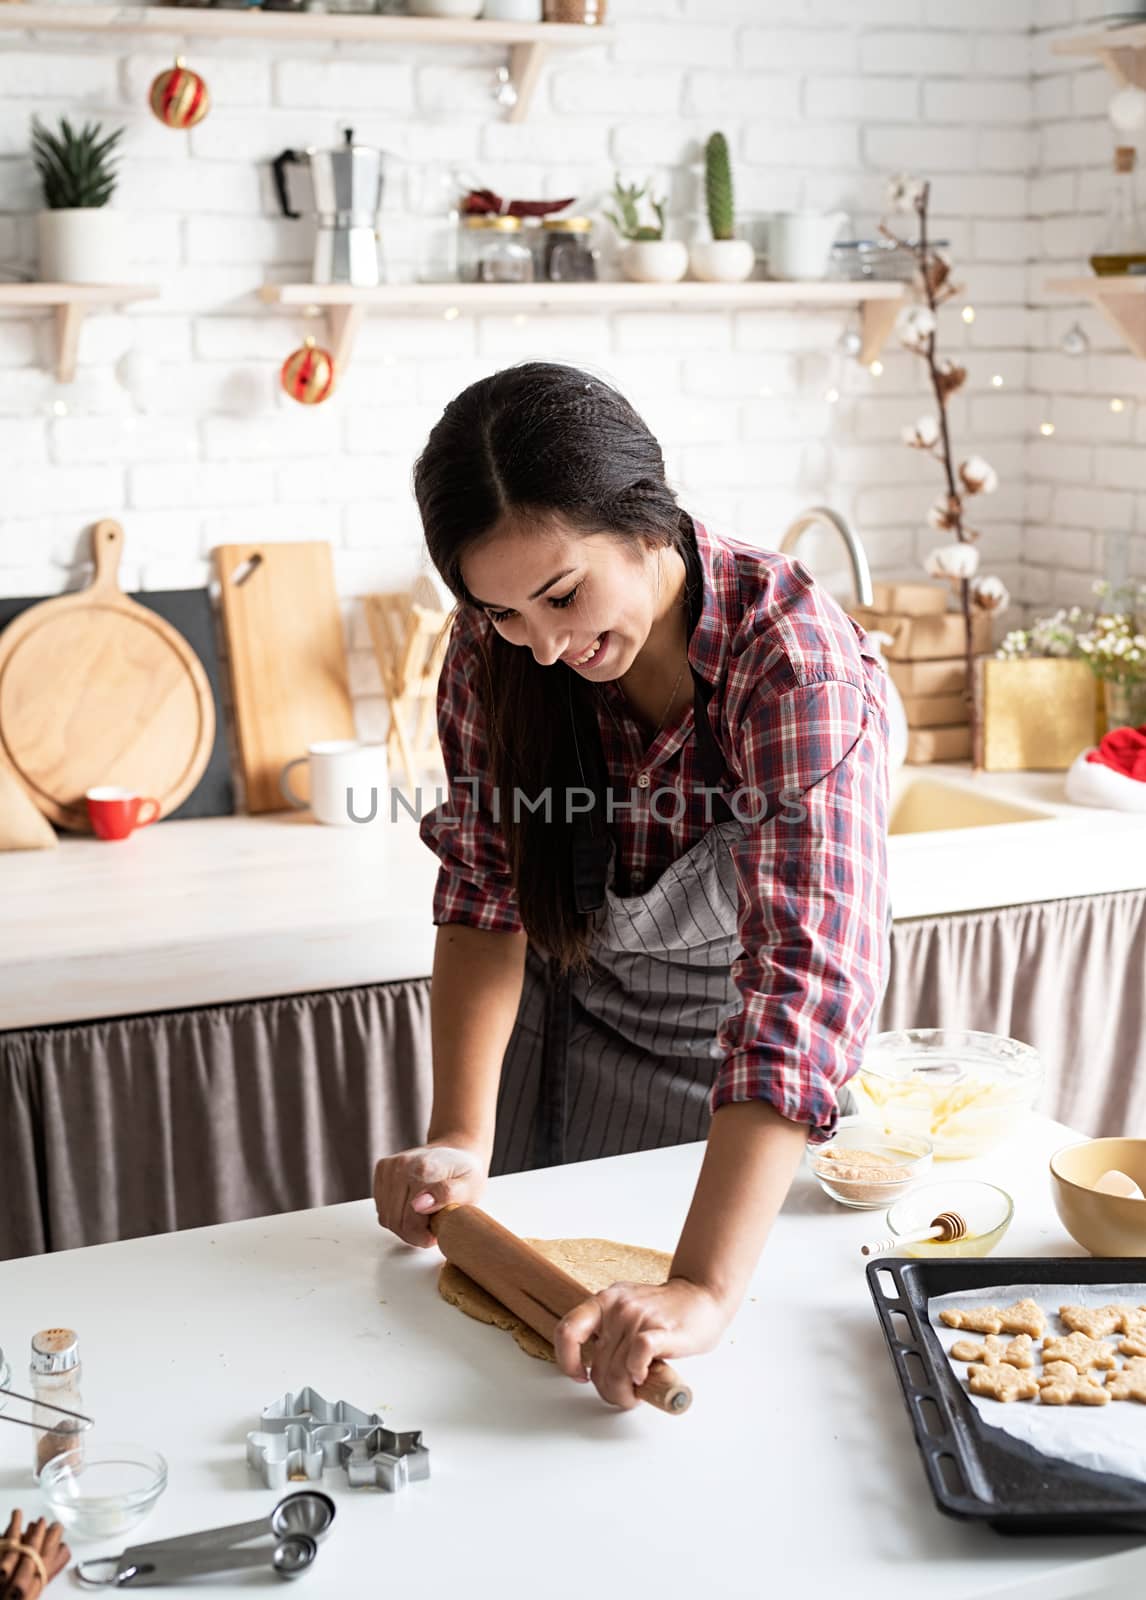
x=533 y=1288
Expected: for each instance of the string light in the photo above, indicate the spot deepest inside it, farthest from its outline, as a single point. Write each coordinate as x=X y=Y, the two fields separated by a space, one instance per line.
x=451 y=313
x=1046 y=429
x=997 y=381
x=876 y=369
x=59 y=408
x=520 y=319
x=831 y=395
x=1117 y=405
x=968 y=314
x=765 y=391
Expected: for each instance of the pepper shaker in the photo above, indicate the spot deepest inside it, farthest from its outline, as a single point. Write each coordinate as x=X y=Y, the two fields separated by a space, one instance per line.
x=55 y=1374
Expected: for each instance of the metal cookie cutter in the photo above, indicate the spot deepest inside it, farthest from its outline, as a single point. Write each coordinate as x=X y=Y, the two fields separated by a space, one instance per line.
x=390 y=1460
x=299 y=1452
x=286 y=1541
x=309 y=1408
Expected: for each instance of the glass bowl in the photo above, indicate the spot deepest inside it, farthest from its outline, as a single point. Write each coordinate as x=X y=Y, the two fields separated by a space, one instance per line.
x=986 y=1210
x=858 y=1184
x=98 y=1490
x=966 y=1092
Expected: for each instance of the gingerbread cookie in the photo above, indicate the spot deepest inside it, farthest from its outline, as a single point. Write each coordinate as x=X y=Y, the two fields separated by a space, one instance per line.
x=1133 y=1345
x=1061 y=1384
x=995 y=1350
x=1082 y=1353
x=1132 y=1321
x=1005 y=1383
x=1025 y=1316
x=1093 y=1321
x=1130 y=1383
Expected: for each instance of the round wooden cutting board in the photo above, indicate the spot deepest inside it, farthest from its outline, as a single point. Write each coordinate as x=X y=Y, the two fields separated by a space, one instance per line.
x=96 y=689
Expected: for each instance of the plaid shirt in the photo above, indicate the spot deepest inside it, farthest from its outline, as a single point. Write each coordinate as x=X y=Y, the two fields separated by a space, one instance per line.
x=799 y=711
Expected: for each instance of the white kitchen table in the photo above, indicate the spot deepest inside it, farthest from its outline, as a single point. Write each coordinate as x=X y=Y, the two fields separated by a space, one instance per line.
x=795 y=1471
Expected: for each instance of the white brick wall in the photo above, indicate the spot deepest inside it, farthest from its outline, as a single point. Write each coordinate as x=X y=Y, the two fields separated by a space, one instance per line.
x=820 y=99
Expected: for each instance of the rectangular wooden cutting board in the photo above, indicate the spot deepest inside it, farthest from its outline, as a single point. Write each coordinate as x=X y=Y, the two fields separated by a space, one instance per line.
x=288 y=658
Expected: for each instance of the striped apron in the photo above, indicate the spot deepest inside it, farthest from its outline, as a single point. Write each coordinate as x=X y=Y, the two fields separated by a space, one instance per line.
x=622 y=1057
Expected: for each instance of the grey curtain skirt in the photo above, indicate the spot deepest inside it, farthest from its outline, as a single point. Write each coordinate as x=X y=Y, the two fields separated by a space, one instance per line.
x=117 y=1128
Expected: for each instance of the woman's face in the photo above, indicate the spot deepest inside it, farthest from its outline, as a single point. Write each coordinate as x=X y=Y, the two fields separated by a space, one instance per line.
x=588 y=600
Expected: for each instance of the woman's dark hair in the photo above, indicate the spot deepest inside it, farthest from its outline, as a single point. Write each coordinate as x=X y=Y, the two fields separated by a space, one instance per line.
x=539 y=441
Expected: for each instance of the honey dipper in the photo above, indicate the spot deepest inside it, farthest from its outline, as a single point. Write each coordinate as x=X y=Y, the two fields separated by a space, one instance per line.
x=945 y=1229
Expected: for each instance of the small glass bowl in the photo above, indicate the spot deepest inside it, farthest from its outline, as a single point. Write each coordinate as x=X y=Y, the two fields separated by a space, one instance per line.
x=99 y=1490
x=987 y=1211
x=911 y=1155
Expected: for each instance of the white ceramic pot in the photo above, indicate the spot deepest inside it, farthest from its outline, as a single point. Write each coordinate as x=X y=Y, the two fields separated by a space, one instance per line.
x=512 y=10
x=654 y=260
x=721 y=260
x=454 y=9
x=87 y=244
x=800 y=243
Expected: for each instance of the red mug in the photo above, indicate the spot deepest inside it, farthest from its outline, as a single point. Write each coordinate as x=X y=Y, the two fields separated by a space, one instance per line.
x=115 y=813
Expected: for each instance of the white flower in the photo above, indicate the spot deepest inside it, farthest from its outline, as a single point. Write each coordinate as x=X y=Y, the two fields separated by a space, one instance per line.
x=922 y=434
x=904 y=192
x=990 y=594
x=914 y=326
x=953 y=561
x=943 y=516
x=978 y=476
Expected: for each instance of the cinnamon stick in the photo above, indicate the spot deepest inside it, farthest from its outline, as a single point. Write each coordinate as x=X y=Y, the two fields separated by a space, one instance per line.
x=27 y=1574
x=49 y=1551
x=9 y=1558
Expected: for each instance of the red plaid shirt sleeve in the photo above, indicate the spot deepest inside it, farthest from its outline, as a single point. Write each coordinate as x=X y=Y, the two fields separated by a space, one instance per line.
x=813 y=888
x=474 y=884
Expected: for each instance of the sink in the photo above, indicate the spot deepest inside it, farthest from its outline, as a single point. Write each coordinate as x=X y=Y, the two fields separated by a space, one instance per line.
x=928 y=805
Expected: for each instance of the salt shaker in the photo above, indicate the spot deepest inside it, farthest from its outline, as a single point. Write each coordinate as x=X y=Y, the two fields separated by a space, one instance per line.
x=55 y=1374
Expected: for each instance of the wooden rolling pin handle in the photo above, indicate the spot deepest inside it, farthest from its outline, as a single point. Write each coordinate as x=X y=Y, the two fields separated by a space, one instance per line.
x=533 y=1288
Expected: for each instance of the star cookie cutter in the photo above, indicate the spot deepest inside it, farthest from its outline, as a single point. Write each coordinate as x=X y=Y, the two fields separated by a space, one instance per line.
x=386 y=1459
x=297 y=1453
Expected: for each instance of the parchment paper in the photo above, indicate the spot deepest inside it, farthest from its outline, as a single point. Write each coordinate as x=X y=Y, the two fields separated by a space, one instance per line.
x=1110 y=1438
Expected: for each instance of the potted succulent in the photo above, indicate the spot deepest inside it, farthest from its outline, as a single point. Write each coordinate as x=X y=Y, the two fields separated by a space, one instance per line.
x=648 y=257
x=81 y=238
x=724 y=258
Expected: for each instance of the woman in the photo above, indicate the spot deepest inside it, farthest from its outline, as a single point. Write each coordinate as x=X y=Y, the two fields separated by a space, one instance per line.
x=661 y=906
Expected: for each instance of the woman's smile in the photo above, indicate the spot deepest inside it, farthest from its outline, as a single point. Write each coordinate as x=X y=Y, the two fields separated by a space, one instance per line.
x=591 y=657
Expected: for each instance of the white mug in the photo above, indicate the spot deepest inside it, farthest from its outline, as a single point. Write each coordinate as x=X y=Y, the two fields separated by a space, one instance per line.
x=800 y=243
x=347 y=782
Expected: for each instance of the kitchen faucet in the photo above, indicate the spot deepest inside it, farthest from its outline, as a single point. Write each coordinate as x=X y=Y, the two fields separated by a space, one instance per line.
x=861 y=572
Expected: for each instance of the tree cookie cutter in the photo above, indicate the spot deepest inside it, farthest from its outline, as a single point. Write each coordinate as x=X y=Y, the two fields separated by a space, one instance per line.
x=386 y=1459
x=302 y=1434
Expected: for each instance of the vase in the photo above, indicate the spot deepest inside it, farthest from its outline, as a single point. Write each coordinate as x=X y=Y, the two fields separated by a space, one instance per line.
x=654 y=260
x=85 y=244
x=721 y=260
x=1125 y=702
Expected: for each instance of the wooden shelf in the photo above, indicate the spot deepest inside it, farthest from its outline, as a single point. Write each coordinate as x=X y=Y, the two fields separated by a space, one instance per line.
x=1122 y=50
x=527 y=42
x=71 y=303
x=1122 y=302
x=345 y=306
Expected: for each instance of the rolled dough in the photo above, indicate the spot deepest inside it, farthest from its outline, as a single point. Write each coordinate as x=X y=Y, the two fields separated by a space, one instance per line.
x=596 y=1263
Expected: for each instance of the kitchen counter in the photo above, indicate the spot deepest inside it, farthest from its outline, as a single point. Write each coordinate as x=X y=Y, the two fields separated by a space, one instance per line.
x=795 y=1461
x=234 y=908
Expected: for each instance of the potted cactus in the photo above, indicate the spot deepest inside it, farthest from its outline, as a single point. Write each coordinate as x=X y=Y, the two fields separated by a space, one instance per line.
x=81 y=238
x=724 y=258
x=648 y=257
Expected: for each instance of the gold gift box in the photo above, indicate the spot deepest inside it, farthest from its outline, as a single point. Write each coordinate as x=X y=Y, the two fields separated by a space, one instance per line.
x=1034 y=715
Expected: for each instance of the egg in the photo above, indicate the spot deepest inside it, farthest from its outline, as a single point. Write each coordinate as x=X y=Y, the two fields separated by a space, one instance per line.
x=1118 y=1183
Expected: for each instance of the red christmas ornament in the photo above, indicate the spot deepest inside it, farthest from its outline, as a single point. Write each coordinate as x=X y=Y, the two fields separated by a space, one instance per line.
x=308 y=373
x=179 y=97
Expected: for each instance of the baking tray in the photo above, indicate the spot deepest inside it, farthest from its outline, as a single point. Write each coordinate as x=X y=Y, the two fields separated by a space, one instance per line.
x=976 y=1471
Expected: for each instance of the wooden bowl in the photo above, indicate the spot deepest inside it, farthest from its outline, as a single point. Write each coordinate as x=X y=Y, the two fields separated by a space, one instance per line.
x=1104 y=1224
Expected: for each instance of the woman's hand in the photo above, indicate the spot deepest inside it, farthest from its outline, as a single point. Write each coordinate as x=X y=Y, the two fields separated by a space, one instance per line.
x=414 y=1183
x=632 y=1324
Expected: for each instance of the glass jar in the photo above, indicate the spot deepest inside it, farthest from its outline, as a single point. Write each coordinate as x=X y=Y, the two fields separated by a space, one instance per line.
x=1125 y=700
x=1122 y=239
x=569 y=254
x=585 y=12
x=502 y=255
x=55 y=1375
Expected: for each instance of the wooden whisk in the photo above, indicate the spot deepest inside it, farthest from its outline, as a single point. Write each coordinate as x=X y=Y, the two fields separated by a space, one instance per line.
x=945 y=1229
